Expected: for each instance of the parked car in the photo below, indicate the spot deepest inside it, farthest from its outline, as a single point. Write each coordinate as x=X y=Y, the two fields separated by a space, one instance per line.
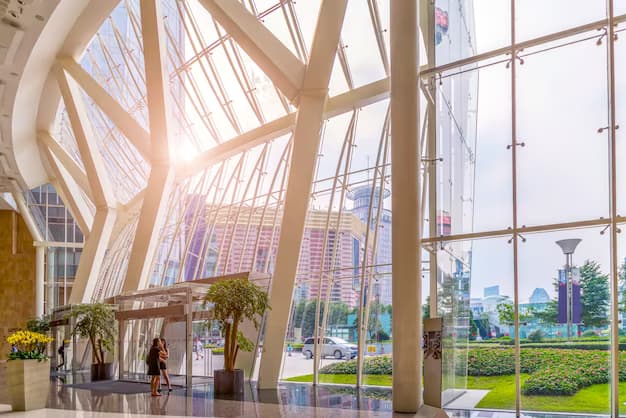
x=332 y=347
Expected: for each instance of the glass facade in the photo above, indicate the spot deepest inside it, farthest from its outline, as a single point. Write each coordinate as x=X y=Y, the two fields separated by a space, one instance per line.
x=520 y=149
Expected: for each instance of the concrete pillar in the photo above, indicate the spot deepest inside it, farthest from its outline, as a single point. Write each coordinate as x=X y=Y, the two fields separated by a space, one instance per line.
x=406 y=253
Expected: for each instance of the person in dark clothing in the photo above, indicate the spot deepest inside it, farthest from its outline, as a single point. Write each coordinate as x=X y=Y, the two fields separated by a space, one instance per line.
x=153 y=366
x=164 y=355
x=61 y=352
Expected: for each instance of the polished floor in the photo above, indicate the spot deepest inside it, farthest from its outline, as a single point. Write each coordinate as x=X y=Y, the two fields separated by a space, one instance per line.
x=290 y=400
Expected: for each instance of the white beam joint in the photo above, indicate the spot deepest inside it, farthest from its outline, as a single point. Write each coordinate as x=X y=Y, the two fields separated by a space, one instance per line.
x=72 y=167
x=284 y=69
x=127 y=125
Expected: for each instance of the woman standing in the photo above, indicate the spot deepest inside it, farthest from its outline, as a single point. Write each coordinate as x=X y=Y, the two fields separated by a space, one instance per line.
x=153 y=367
x=163 y=356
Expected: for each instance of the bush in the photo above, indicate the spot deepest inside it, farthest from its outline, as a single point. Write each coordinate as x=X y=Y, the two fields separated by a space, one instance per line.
x=381 y=335
x=552 y=371
x=372 y=365
x=536 y=336
x=218 y=351
x=590 y=333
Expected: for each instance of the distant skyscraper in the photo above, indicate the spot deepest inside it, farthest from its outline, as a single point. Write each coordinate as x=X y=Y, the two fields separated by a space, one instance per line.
x=539 y=296
x=361 y=197
x=492 y=291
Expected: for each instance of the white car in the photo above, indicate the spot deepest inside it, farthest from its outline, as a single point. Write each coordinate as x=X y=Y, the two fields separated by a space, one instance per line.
x=332 y=347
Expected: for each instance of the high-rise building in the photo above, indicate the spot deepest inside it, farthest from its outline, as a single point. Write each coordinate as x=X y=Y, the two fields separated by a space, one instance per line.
x=539 y=295
x=491 y=291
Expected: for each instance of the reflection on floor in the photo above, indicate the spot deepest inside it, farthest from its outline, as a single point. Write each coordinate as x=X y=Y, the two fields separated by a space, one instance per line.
x=290 y=400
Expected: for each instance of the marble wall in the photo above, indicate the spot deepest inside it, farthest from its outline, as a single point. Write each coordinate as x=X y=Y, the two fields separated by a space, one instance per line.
x=17 y=276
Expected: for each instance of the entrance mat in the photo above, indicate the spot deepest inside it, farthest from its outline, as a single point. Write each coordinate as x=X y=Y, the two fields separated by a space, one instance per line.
x=119 y=386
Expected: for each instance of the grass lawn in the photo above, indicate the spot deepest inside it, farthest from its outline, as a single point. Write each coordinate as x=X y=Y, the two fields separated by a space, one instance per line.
x=593 y=399
x=345 y=379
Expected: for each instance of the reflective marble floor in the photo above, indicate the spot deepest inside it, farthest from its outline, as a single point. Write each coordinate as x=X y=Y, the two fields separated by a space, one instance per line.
x=290 y=400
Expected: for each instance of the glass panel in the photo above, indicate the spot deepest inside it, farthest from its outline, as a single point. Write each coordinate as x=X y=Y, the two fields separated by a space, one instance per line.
x=475 y=279
x=464 y=28
x=473 y=131
x=621 y=283
x=561 y=364
x=620 y=119
x=561 y=105
x=534 y=18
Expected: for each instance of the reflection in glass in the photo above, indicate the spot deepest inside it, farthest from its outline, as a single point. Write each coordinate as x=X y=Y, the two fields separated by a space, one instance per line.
x=474 y=282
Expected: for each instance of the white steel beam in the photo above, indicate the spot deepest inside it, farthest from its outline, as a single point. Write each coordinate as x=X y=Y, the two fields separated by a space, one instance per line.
x=86 y=141
x=131 y=129
x=313 y=96
x=67 y=161
x=161 y=177
x=69 y=192
x=406 y=229
x=342 y=103
x=97 y=242
x=284 y=69
x=92 y=257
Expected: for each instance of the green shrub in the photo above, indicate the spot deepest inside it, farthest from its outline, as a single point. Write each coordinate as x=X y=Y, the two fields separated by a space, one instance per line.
x=536 y=336
x=218 y=351
x=372 y=365
x=590 y=333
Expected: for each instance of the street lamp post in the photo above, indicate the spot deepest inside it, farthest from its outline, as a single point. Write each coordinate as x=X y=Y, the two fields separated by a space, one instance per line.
x=568 y=246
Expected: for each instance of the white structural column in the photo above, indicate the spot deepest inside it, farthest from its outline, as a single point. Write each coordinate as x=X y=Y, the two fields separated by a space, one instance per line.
x=313 y=98
x=97 y=242
x=161 y=177
x=40 y=273
x=268 y=52
x=405 y=255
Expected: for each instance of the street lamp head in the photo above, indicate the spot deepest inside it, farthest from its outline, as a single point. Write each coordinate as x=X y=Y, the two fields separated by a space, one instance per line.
x=568 y=245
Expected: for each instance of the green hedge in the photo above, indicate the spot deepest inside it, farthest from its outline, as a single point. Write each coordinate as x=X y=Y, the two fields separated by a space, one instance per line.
x=218 y=351
x=552 y=371
x=371 y=365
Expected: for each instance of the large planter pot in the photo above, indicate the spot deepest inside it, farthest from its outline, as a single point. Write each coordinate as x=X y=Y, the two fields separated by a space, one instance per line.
x=102 y=372
x=29 y=383
x=228 y=382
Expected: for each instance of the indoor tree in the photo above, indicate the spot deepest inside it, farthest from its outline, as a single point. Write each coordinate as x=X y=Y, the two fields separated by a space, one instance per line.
x=235 y=301
x=96 y=322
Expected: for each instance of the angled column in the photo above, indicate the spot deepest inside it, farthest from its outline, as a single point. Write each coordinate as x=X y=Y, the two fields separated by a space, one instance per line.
x=127 y=125
x=97 y=241
x=68 y=189
x=153 y=208
x=313 y=96
x=72 y=167
x=405 y=253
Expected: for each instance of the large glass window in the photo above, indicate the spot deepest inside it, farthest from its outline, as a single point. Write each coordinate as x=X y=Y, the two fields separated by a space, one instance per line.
x=561 y=123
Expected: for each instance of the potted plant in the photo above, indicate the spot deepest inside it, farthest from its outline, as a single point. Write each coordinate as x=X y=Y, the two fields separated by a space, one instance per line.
x=234 y=301
x=28 y=370
x=96 y=322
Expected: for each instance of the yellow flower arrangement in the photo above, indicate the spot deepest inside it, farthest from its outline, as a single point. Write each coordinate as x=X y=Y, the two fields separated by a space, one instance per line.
x=28 y=345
